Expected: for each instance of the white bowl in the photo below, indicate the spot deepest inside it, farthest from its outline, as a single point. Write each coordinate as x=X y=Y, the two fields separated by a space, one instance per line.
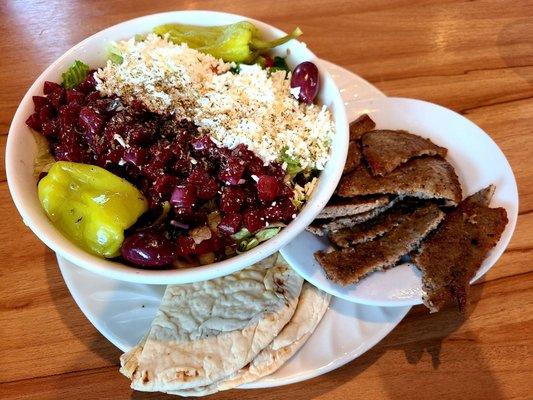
x=21 y=151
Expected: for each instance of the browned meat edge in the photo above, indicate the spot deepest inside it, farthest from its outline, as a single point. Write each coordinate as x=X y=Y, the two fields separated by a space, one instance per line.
x=450 y=257
x=426 y=177
x=366 y=231
x=354 y=157
x=321 y=227
x=342 y=207
x=350 y=265
x=385 y=150
x=361 y=125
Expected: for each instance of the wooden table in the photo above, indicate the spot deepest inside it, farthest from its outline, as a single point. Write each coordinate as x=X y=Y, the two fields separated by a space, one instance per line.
x=473 y=57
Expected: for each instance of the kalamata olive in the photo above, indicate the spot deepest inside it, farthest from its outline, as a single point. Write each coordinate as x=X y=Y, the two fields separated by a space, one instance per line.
x=305 y=77
x=148 y=249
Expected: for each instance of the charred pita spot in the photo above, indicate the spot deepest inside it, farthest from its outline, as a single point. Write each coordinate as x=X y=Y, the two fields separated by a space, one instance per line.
x=144 y=377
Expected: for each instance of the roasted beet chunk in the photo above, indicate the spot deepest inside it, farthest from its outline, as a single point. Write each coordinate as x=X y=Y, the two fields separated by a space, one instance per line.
x=232 y=199
x=231 y=223
x=254 y=219
x=267 y=187
x=233 y=171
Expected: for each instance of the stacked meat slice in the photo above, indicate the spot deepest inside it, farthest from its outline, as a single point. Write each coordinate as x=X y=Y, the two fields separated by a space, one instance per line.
x=399 y=197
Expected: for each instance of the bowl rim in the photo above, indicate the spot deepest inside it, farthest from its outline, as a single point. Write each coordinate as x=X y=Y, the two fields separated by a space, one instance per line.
x=53 y=238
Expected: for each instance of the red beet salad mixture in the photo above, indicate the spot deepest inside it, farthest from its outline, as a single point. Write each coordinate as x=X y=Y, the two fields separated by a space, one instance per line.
x=194 y=188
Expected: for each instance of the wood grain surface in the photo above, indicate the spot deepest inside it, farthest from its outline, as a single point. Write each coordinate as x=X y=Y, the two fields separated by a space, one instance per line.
x=474 y=57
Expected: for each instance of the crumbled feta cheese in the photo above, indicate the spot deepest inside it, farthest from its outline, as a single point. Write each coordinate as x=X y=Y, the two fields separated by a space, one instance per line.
x=252 y=107
x=120 y=140
x=295 y=91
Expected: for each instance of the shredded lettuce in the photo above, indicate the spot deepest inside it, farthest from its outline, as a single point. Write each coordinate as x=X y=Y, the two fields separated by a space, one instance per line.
x=293 y=165
x=44 y=160
x=246 y=241
x=246 y=245
x=242 y=234
x=279 y=65
x=236 y=69
x=75 y=75
x=113 y=54
x=266 y=234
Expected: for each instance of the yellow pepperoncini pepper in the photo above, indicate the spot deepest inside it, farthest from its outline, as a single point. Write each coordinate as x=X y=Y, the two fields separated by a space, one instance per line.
x=237 y=42
x=90 y=205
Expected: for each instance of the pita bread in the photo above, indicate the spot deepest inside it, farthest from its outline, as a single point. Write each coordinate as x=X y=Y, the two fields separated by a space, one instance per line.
x=206 y=331
x=311 y=308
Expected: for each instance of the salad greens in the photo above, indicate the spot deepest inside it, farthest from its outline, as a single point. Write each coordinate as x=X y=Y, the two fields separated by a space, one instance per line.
x=75 y=75
x=237 y=42
x=247 y=241
x=113 y=54
x=293 y=165
x=280 y=64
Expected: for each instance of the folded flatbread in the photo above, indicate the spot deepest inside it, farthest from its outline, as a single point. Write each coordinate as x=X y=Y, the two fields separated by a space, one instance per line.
x=312 y=305
x=206 y=331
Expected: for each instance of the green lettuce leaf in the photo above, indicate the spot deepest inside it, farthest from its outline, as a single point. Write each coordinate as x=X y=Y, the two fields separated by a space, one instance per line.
x=293 y=165
x=242 y=234
x=73 y=76
x=279 y=65
x=246 y=241
x=267 y=233
x=113 y=54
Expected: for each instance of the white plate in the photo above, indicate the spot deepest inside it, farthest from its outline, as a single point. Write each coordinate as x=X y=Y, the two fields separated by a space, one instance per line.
x=123 y=311
x=478 y=162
